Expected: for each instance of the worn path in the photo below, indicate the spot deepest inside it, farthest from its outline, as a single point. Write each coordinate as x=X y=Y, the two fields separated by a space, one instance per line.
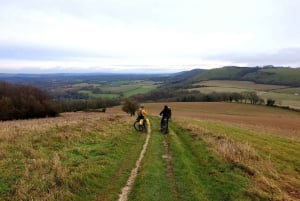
x=127 y=188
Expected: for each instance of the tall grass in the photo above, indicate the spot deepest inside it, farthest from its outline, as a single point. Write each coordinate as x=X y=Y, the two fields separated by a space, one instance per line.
x=271 y=162
x=79 y=156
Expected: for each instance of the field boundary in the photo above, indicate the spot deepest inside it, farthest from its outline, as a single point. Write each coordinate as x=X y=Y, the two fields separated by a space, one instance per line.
x=127 y=188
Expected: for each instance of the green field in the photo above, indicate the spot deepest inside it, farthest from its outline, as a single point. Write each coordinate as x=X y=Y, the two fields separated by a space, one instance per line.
x=283 y=95
x=116 y=88
x=214 y=151
x=102 y=95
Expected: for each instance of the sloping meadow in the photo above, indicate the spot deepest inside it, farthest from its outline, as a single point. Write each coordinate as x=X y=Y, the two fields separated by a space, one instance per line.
x=262 y=142
x=77 y=156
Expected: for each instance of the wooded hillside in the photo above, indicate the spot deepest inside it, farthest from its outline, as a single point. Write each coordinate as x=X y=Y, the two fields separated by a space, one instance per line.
x=23 y=102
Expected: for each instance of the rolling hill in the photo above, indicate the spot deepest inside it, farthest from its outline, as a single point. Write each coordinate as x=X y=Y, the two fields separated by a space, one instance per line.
x=265 y=75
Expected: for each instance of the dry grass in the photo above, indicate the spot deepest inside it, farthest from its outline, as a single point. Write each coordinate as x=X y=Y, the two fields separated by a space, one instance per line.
x=35 y=155
x=268 y=179
x=273 y=121
x=261 y=141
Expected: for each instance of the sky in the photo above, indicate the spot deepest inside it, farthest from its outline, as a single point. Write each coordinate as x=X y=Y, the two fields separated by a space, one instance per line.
x=148 y=36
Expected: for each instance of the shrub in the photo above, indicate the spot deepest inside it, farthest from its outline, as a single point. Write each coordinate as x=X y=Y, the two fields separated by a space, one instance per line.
x=270 y=102
x=130 y=106
x=23 y=102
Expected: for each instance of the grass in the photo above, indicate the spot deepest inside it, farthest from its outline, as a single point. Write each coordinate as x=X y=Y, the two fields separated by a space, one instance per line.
x=283 y=95
x=152 y=182
x=271 y=161
x=140 y=90
x=291 y=90
x=127 y=88
x=103 y=95
x=282 y=98
x=214 y=151
x=202 y=175
x=194 y=173
x=84 y=156
x=240 y=84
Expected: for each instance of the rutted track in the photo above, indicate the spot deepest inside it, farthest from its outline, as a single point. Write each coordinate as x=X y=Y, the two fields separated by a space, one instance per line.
x=178 y=166
x=127 y=188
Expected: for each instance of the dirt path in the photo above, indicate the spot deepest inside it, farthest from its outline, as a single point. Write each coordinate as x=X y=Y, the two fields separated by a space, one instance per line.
x=127 y=188
x=167 y=156
x=170 y=174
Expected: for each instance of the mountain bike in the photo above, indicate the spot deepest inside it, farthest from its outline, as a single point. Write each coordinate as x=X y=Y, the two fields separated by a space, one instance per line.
x=141 y=125
x=164 y=125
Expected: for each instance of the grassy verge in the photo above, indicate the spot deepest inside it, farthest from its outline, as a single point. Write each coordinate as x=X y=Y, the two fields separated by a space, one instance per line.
x=202 y=175
x=271 y=162
x=87 y=158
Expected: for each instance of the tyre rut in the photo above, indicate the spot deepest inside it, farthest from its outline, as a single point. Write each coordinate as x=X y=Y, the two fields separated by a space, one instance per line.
x=127 y=188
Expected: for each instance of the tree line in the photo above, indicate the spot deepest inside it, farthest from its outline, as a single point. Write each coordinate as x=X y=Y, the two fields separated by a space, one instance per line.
x=88 y=104
x=168 y=94
x=23 y=102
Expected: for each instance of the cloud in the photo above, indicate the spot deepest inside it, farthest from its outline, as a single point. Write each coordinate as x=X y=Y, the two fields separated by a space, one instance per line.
x=282 y=57
x=93 y=34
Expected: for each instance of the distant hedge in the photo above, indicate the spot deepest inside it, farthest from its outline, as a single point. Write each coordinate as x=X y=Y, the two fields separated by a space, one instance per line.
x=87 y=104
x=24 y=102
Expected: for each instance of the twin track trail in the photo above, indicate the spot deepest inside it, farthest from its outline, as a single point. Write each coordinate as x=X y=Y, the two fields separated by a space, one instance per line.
x=165 y=157
x=127 y=188
x=178 y=166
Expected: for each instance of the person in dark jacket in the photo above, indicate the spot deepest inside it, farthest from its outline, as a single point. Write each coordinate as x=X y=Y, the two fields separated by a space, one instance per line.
x=165 y=113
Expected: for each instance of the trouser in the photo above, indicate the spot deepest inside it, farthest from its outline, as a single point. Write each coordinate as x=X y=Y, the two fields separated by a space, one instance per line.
x=162 y=120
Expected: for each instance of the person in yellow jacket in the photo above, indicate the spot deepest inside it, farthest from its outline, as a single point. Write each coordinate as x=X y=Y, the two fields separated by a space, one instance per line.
x=141 y=113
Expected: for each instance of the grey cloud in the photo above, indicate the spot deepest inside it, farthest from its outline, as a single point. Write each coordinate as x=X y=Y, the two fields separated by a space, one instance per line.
x=286 y=56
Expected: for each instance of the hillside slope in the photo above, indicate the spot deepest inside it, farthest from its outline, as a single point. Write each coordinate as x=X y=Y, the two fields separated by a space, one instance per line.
x=266 y=75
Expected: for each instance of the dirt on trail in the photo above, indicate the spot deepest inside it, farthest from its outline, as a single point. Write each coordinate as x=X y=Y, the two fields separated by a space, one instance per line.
x=127 y=188
x=168 y=157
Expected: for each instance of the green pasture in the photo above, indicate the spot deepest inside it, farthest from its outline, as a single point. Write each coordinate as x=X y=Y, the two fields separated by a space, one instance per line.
x=115 y=88
x=194 y=172
x=240 y=85
x=292 y=90
x=91 y=159
x=140 y=90
x=286 y=96
x=84 y=84
x=271 y=162
x=70 y=162
x=208 y=90
x=91 y=94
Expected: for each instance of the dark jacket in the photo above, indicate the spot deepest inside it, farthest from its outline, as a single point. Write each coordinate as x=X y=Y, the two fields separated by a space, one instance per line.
x=166 y=112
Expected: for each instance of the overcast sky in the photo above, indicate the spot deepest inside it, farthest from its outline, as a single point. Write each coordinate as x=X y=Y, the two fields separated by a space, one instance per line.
x=146 y=35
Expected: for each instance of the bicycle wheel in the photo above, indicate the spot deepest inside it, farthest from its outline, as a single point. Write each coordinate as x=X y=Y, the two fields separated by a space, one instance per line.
x=164 y=126
x=137 y=126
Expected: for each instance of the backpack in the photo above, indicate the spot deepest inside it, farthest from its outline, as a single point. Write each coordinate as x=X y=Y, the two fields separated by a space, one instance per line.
x=139 y=113
x=169 y=113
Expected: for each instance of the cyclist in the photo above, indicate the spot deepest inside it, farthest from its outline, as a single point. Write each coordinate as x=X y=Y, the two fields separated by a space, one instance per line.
x=165 y=113
x=141 y=113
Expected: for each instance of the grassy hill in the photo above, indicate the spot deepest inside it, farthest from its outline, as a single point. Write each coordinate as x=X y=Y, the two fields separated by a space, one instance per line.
x=214 y=151
x=266 y=75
